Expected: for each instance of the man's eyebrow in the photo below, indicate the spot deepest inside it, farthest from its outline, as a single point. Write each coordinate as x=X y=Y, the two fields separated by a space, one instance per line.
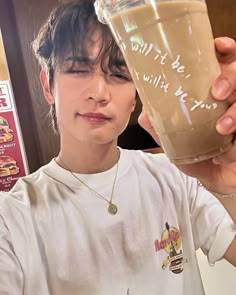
x=80 y=59
x=119 y=63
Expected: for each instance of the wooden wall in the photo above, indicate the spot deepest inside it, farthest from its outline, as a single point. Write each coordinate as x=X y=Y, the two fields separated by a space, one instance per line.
x=19 y=22
x=222 y=14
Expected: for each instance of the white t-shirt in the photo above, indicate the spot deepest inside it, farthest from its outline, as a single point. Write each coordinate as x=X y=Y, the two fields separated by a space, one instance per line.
x=57 y=238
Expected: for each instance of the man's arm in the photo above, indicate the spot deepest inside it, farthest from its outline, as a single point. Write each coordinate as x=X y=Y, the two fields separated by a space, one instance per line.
x=230 y=206
x=218 y=175
x=230 y=254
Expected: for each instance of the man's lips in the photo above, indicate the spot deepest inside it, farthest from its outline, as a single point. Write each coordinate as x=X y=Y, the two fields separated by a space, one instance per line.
x=94 y=117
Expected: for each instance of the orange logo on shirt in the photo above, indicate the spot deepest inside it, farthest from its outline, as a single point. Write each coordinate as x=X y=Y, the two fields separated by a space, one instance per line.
x=171 y=242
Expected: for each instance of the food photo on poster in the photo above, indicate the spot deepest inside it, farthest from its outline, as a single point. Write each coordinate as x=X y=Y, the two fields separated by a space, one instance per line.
x=11 y=162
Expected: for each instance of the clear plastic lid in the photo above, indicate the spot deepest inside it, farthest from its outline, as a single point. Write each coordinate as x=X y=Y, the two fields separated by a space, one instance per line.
x=100 y=9
x=106 y=8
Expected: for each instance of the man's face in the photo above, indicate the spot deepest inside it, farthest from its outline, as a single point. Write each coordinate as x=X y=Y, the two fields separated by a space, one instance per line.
x=92 y=106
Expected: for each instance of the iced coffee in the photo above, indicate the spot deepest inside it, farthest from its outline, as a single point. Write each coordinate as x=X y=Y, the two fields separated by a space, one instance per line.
x=169 y=49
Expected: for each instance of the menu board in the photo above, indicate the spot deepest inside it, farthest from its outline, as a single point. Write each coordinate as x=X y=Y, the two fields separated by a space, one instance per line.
x=13 y=162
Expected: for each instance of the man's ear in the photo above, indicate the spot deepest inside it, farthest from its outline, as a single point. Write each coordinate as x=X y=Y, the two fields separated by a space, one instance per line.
x=133 y=106
x=46 y=88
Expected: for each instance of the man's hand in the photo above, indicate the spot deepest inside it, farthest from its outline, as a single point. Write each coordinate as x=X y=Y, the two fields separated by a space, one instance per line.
x=219 y=174
x=225 y=88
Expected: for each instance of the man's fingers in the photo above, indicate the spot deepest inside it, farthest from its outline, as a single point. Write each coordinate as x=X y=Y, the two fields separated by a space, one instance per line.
x=226 y=158
x=227 y=123
x=225 y=49
x=225 y=84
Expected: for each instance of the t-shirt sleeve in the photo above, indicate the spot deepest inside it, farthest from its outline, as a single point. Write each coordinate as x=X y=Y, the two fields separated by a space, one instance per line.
x=11 y=276
x=213 y=228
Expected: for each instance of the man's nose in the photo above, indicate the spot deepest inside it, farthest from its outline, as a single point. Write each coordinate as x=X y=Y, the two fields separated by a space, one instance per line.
x=99 y=88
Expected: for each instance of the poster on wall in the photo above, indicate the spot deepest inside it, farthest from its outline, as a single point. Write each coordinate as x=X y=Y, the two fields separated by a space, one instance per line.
x=13 y=162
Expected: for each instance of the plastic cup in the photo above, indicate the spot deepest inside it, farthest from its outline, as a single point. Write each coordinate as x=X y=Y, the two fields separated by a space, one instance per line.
x=169 y=49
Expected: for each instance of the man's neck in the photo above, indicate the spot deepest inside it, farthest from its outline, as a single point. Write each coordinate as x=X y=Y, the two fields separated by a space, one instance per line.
x=89 y=158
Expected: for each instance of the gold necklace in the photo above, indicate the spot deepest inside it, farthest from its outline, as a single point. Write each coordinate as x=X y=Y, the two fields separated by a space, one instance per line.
x=112 y=208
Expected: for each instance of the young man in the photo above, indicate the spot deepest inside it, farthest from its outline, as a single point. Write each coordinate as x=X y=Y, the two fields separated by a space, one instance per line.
x=97 y=219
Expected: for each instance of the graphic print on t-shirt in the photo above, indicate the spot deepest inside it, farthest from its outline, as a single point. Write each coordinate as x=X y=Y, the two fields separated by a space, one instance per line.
x=171 y=242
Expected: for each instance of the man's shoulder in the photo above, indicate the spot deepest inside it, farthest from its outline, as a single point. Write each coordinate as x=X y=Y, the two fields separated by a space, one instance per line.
x=156 y=164
x=25 y=187
x=148 y=157
x=33 y=179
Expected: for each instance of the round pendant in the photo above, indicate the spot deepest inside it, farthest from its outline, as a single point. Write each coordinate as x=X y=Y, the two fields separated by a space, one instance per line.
x=112 y=209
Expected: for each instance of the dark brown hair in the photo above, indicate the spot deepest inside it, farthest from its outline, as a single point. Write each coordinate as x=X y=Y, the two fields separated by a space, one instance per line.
x=68 y=28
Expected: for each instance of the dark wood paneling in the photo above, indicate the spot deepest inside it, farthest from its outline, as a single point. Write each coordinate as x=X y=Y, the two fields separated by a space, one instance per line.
x=20 y=82
x=29 y=16
x=222 y=14
x=22 y=19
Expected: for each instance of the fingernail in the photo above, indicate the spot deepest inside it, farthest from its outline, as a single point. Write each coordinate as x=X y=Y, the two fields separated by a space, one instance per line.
x=216 y=161
x=221 y=89
x=228 y=41
x=224 y=126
